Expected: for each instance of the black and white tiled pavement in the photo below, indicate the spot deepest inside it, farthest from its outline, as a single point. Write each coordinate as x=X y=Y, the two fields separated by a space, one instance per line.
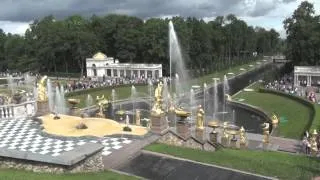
x=25 y=135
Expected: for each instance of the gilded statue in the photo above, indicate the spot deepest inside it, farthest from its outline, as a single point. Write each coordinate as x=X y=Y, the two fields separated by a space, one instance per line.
x=243 y=137
x=102 y=103
x=42 y=89
x=313 y=142
x=266 y=133
x=275 y=120
x=157 y=108
x=200 y=117
x=225 y=126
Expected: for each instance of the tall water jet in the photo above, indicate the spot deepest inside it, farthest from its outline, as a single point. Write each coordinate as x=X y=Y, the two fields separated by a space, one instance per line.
x=150 y=91
x=133 y=97
x=176 y=57
x=89 y=101
x=166 y=94
x=226 y=90
x=177 y=85
x=60 y=102
x=50 y=95
x=192 y=104
x=204 y=95
x=215 y=98
x=11 y=84
x=114 y=98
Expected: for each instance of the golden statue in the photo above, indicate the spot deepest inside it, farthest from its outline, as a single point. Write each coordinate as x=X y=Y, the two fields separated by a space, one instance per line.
x=42 y=89
x=275 y=120
x=102 y=103
x=266 y=133
x=313 y=142
x=157 y=107
x=225 y=135
x=228 y=97
x=243 y=137
x=200 y=117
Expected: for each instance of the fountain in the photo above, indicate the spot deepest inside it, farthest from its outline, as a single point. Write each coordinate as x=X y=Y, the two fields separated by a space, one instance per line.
x=150 y=90
x=176 y=59
x=192 y=104
x=226 y=89
x=50 y=95
x=113 y=98
x=177 y=86
x=215 y=98
x=11 y=84
x=60 y=102
x=133 y=97
x=89 y=101
x=166 y=95
x=204 y=94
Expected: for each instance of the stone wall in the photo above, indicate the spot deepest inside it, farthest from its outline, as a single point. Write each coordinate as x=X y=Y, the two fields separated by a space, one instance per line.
x=174 y=139
x=91 y=164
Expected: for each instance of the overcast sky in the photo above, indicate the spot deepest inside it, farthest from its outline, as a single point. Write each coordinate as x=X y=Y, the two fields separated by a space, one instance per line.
x=15 y=15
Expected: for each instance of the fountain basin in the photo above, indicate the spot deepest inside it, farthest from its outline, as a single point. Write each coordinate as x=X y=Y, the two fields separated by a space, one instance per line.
x=99 y=127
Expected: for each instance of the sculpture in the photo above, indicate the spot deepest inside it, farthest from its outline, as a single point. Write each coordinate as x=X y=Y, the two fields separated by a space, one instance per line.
x=42 y=89
x=225 y=135
x=157 y=108
x=138 y=118
x=275 y=120
x=200 y=117
x=266 y=133
x=243 y=137
x=102 y=103
x=313 y=142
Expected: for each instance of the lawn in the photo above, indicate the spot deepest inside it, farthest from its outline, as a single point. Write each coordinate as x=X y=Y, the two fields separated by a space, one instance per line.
x=294 y=116
x=275 y=164
x=124 y=92
x=11 y=174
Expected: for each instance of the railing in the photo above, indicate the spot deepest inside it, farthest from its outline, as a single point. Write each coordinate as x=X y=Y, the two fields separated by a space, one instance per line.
x=25 y=109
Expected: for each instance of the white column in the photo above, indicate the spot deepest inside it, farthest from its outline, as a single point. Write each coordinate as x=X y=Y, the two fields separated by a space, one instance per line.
x=139 y=73
x=124 y=72
x=118 y=72
x=131 y=72
x=295 y=80
x=145 y=74
x=160 y=72
x=308 y=80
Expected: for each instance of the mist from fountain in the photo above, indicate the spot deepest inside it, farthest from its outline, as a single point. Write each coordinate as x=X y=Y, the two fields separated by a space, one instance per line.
x=113 y=98
x=177 y=85
x=176 y=59
x=50 y=95
x=226 y=90
x=89 y=100
x=11 y=84
x=204 y=95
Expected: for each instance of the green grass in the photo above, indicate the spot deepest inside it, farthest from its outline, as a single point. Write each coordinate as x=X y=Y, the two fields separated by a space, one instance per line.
x=275 y=164
x=124 y=92
x=11 y=174
x=297 y=114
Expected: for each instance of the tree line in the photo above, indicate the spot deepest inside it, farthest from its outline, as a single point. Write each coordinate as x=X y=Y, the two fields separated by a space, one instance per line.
x=52 y=45
x=303 y=35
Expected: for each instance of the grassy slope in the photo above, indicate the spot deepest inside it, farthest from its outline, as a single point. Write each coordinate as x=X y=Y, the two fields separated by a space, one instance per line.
x=276 y=164
x=296 y=113
x=10 y=174
x=125 y=92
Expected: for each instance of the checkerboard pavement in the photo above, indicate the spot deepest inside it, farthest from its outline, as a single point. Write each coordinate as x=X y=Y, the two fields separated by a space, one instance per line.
x=24 y=135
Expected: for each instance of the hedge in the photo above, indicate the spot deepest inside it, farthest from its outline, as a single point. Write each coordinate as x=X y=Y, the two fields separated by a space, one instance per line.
x=314 y=121
x=91 y=90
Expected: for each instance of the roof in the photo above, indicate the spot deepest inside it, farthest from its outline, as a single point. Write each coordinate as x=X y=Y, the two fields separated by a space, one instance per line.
x=99 y=56
x=307 y=69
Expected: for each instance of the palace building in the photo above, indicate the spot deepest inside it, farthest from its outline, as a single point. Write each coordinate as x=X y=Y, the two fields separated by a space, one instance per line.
x=102 y=66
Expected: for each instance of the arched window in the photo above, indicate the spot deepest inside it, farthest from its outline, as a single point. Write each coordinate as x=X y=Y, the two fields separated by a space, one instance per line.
x=94 y=68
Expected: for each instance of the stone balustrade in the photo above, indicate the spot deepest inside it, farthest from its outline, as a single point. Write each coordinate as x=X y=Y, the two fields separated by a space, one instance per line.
x=25 y=109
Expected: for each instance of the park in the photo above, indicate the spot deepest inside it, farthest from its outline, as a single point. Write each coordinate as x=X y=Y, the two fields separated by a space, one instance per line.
x=73 y=106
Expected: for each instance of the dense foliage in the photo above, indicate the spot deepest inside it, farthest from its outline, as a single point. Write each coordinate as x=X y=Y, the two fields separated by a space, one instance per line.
x=52 y=45
x=303 y=40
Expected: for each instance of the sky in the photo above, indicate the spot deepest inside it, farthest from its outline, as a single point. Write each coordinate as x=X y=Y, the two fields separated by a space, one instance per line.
x=16 y=15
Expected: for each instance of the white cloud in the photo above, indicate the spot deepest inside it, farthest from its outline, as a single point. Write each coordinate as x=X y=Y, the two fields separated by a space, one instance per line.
x=14 y=27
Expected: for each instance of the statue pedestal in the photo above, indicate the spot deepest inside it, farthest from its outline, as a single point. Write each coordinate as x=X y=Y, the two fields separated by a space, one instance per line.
x=74 y=111
x=183 y=129
x=159 y=123
x=243 y=145
x=214 y=136
x=199 y=133
x=42 y=108
x=172 y=118
x=225 y=141
x=233 y=143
